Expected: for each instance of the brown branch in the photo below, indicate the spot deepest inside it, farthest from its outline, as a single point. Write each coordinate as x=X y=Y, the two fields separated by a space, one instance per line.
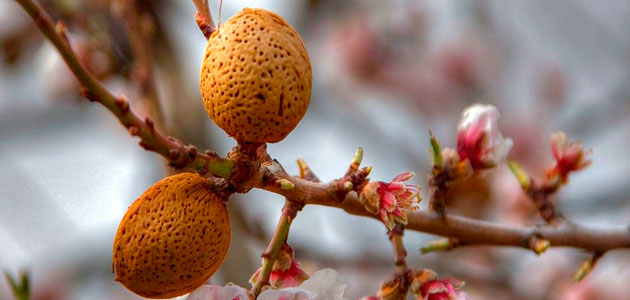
x=337 y=193
x=466 y=230
x=178 y=154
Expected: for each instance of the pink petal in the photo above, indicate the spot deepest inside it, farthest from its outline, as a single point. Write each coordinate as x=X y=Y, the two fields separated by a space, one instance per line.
x=456 y=283
x=434 y=287
x=393 y=187
x=388 y=201
x=403 y=177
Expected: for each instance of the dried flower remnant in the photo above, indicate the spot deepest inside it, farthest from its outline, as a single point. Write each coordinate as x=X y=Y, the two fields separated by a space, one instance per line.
x=569 y=157
x=394 y=288
x=389 y=200
x=479 y=139
x=286 y=271
x=425 y=285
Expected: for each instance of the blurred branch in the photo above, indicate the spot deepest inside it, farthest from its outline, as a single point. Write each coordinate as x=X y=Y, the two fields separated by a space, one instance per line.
x=178 y=154
x=250 y=166
x=140 y=29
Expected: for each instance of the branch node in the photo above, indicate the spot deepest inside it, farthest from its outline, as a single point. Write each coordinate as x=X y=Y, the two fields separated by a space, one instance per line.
x=285 y=184
x=146 y=146
x=205 y=28
x=134 y=130
x=150 y=123
x=122 y=103
x=538 y=244
x=62 y=31
x=347 y=186
x=87 y=94
x=191 y=151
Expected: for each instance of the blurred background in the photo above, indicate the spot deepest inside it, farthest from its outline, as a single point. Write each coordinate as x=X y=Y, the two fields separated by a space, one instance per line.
x=384 y=73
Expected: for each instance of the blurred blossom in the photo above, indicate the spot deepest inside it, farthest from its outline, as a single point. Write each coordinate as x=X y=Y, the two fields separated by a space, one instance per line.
x=552 y=85
x=479 y=139
x=359 y=46
x=457 y=65
x=213 y=292
x=569 y=156
x=286 y=271
x=389 y=200
x=325 y=284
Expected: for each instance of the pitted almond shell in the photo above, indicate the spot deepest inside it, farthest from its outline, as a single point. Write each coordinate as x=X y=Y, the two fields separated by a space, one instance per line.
x=172 y=238
x=256 y=77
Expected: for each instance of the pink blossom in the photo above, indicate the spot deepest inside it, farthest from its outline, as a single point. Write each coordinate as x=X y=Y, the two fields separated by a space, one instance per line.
x=389 y=200
x=479 y=139
x=426 y=286
x=569 y=156
x=286 y=271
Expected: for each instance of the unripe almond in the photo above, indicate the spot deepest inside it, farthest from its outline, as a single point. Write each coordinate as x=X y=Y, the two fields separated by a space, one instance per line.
x=256 y=77
x=172 y=238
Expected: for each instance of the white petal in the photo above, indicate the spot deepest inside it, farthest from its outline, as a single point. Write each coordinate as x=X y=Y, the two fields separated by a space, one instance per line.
x=213 y=292
x=287 y=294
x=327 y=284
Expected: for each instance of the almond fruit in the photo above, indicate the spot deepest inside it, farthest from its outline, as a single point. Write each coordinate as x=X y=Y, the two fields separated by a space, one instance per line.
x=172 y=238
x=256 y=77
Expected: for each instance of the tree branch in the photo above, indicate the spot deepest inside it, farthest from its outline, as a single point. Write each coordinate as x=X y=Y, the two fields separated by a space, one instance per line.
x=178 y=154
x=337 y=193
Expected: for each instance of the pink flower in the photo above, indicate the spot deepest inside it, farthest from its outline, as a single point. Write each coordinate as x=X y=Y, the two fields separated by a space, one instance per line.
x=389 y=200
x=569 y=156
x=426 y=286
x=286 y=271
x=479 y=139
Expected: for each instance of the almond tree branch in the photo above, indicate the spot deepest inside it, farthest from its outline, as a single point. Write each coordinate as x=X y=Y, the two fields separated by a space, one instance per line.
x=338 y=193
x=466 y=230
x=178 y=154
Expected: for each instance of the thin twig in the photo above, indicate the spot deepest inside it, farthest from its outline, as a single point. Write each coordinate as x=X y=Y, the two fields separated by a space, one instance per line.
x=273 y=249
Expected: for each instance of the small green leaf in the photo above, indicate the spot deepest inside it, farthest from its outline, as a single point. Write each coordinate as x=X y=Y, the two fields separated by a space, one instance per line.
x=520 y=174
x=436 y=152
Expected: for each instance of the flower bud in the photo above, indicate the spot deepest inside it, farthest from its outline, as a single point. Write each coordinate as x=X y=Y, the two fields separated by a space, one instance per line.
x=479 y=139
x=569 y=156
x=389 y=200
x=286 y=271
